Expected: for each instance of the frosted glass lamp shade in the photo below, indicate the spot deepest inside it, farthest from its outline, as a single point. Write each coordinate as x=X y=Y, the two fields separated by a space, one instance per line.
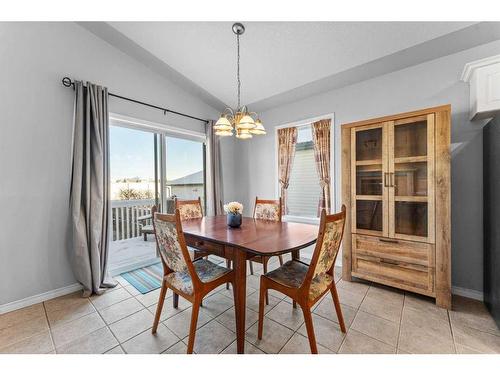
x=243 y=134
x=246 y=122
x=224 y=133
x=259 y=128
x=223 y=124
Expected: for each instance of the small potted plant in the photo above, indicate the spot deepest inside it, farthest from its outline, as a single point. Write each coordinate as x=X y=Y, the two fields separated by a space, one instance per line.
x=233 y=210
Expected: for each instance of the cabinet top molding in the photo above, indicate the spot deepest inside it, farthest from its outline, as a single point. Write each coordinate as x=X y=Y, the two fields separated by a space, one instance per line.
x=441 y=108
x=470 y=67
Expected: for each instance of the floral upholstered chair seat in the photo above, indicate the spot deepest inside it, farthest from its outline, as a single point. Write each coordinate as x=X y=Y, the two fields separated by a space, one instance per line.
x=293 y=273
x=206 y=271
x=267 y=211
x=190 y=211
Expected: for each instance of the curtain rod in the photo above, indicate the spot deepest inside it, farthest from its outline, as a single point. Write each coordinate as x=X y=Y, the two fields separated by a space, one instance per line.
x=67 y=82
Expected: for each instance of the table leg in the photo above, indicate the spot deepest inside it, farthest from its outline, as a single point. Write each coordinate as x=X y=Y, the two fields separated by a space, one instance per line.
x=240 y=270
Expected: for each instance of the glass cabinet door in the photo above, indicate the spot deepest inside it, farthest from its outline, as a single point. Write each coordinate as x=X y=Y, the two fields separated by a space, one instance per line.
x=411 y=175
x=369 y=162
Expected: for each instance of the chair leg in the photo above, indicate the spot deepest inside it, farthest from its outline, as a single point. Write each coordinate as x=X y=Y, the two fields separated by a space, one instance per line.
x=263 y=291
x=264 y=266
x=251 y=267
x=280 y=257
x=192 y=327
x=228 y=265
x=338 y=309
x=163 y=292
x=175 y=300
x=310 y=329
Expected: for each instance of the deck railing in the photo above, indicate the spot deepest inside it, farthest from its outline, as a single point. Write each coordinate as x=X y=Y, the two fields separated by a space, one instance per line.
x=124 y=214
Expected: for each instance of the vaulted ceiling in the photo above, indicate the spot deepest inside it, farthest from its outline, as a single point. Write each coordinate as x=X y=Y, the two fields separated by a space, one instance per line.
x=283 y=61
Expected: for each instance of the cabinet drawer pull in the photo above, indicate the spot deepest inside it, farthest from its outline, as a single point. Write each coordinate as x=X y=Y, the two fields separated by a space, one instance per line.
x=388 y=240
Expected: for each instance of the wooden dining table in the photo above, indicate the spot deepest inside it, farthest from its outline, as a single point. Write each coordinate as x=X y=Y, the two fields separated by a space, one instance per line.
x=254 y=237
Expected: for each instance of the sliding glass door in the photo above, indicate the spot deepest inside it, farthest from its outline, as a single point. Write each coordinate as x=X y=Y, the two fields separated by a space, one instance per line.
x=148 y=167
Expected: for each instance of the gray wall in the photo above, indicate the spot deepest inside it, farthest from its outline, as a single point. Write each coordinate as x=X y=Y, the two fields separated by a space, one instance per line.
x=429 y=84
x=35 y=140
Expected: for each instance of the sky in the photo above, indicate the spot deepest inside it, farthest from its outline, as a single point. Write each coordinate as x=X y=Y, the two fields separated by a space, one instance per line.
x=132 y=155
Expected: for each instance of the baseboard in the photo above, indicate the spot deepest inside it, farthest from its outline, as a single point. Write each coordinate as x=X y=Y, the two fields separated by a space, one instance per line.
x=469 y=293
x=11 y=306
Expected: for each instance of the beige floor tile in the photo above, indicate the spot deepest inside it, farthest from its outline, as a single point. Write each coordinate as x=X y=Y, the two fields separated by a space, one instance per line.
x=249 y=349
x=168 y=310
x=212 y=338
x=327 y=333
x=483 y=342
x=121 y=280
x=152 y=297
x=286 y=315
x=377 y=328
x=350 y=298
x=326 y=309
x=387 y=308
x=121 y=310
x=110 y=297
x=180 y=323
x=274 y=336
x=420 y=336
x=229 y=292
x=253 y=281
x=474 y=314
x=401 y=351
x=216 y=304
x=360 y=287
x=63 y=302
x=386 y=293
x=22 y=315
x=115 y=350
x=19 y=332
x=228 y=319
x=146 y=342
x=71 y=312
x=63 y=334
x=133 y=291
x=97 y=342
x=38 y=344
x=461 y=349
x=358 y=343
x=179 y=348
x=253 y=302
x=132 y=325
x=426 y=305
x=299 y=344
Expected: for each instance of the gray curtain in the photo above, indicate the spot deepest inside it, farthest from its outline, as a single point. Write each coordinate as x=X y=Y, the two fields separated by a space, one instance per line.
x=214 y=172
x=89 y=198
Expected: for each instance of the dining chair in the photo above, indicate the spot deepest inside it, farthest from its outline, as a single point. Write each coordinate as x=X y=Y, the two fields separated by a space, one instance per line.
x=306 y=284
x=191 y=209
x=192 y=279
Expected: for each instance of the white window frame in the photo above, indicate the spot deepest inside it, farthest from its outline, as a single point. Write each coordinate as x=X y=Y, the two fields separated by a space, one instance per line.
x=333 y=188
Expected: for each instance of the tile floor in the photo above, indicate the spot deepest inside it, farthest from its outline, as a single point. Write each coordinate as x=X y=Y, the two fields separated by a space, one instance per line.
x=379 y=320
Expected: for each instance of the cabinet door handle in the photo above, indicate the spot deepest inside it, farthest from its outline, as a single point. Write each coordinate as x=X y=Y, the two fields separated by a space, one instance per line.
x=391 y=182
x=385 y=180
x=388 y=240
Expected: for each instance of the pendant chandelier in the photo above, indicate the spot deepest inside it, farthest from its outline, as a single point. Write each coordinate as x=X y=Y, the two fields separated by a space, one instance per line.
x=241 y=122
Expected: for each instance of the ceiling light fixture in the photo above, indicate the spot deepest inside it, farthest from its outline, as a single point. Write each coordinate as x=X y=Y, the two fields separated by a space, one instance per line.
x=241 y=122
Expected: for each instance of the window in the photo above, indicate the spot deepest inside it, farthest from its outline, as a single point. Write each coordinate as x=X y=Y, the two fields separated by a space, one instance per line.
x=303 y=190
x=304 y=193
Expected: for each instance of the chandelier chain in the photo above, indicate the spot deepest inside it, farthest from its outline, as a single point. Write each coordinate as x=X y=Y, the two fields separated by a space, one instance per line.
x=238 y=70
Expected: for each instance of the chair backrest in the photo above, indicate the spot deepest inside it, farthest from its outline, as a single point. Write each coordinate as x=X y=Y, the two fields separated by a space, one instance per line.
x=331 y=231
x=171 y=244
x=189 y=209
x=267 y=209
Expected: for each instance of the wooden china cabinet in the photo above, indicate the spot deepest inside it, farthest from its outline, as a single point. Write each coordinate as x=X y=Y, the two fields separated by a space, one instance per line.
x=396 y=185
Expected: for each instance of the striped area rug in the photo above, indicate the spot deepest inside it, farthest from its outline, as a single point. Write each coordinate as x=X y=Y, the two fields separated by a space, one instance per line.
x=145 y=279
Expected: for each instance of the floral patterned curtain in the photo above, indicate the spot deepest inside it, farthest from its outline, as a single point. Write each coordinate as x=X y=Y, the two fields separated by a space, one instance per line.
x=321 y=141
x=287 y=139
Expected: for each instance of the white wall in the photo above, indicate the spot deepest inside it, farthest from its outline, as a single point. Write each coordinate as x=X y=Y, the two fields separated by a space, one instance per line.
x=425 y=85
x=35 y=140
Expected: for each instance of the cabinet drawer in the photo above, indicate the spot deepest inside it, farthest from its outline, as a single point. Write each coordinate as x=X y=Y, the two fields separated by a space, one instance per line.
x=211 y=247
x=417 y=253
x=411 y=277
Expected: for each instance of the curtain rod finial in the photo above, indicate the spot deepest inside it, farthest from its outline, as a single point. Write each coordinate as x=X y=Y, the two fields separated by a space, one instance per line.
x=66 y=81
